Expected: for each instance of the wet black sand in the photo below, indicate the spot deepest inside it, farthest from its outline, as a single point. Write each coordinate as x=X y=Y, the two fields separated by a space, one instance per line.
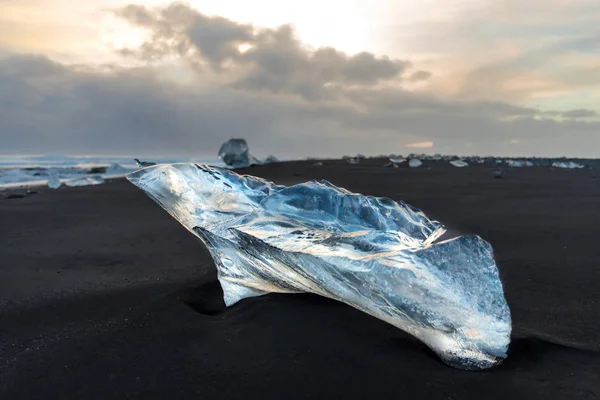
x=103 y=295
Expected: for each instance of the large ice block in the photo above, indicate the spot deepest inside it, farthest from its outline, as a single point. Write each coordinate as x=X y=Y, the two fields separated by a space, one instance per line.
x=380 y=256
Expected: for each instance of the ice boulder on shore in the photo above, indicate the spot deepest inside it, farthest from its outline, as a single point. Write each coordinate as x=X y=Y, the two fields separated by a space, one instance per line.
x=380 y=256
x=235 y=153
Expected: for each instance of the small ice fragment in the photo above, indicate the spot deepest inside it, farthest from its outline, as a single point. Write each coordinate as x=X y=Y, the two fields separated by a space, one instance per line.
x=414 y=163
x=459 y=163
x=394 y=162
x=353 y=161
x=397 y=160
x=271 y=159
x=519 y=163
x=85 y=181
x=54 y=182
x=567 y=165
x=143 y=164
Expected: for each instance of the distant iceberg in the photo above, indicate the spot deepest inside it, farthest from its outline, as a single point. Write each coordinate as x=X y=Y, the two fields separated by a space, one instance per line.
x=235 y=153
x=377 y=255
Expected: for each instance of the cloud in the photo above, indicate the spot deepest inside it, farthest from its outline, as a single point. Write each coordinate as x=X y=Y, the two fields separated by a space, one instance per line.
x=199 y=80
x=48 y=107
x=528 y=52
x=579 y=113
x=273 y=60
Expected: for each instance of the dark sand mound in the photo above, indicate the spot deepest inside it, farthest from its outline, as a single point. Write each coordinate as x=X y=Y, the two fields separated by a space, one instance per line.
x=104 y=295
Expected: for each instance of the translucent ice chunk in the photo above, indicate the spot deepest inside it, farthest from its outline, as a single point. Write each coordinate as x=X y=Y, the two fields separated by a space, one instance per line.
x=234 y=153
x=459 y=163
x=85 y=181
x=375 y=254
x=54 y=182
x=414 y=163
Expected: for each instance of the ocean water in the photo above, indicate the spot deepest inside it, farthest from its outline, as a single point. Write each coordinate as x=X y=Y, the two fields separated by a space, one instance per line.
x=33 y=170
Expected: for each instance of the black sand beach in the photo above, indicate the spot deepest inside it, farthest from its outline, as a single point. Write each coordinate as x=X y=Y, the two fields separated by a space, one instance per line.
x=104 y=295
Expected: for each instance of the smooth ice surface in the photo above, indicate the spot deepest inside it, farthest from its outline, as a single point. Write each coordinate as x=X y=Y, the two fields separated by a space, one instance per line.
x=375 y=254
x=459 y=163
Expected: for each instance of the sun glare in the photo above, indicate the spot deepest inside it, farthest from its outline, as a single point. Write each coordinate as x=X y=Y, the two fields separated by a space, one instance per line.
x=117 y=34
x=335 y=23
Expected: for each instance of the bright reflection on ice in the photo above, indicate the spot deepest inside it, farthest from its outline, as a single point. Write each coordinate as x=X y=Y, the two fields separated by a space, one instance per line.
x=375 y=254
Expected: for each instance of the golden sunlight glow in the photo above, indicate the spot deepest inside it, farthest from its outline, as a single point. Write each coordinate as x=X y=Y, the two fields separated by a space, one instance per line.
x=117 y=34
x=420 y=145
x=336 y=23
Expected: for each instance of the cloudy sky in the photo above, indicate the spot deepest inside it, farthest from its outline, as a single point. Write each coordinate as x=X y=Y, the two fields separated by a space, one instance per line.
x=300 y=78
